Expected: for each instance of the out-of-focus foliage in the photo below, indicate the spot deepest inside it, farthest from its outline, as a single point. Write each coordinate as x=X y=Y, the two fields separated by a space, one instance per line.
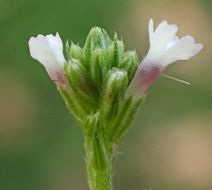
x=41 y=148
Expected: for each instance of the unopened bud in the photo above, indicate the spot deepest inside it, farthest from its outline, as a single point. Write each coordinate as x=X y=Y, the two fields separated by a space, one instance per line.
x=75 y=52
x=76 y=73
x=129 y=63
x=98 y=67
x=116 y=83
x=118 y=51
x=97 y=39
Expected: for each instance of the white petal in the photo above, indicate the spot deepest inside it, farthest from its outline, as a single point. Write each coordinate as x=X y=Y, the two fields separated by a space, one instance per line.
x=56 y=46
x=39 y=50
x=160 y=39
x=163 y=34
x=151 y=30
x=172 y=42
x=48 y=50
x=165 y=48
x=184 y=49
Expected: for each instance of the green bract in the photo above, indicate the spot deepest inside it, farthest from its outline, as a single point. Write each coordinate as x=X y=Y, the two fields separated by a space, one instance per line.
x=99 y=75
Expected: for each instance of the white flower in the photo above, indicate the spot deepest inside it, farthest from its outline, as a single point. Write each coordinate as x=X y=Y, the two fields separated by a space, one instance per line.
x=48 y=50
x=165 y=49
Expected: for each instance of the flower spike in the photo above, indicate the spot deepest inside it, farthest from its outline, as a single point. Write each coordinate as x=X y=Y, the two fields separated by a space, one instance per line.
x=94 y=82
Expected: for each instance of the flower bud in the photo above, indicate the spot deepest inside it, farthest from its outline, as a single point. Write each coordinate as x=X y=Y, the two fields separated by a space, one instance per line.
x=98 y=67
x=81 y=84
x=74 y=51
x=76 y=73
x=129 y=63
x=97 y=39
x=118 y=51
x=116 y=82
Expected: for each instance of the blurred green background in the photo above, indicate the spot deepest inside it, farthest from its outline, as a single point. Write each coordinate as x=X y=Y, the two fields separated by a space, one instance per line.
x=169 y=146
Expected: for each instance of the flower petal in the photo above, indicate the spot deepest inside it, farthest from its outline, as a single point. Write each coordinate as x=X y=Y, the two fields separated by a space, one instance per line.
x=172 y=42
x=56 y=46
x=151 y=30
x=160 y=39
x=48 y=50
x=39 y=50
x=165 y=48
x=184 y=49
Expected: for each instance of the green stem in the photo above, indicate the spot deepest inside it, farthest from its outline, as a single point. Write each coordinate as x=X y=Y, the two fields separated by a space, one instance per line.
x=99 y=164
x=99 y=179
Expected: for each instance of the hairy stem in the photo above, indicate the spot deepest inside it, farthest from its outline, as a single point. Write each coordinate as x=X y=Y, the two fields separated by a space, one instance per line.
x=99 y=166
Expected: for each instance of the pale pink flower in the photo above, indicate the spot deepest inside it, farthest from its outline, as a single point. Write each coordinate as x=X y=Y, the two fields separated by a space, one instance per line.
x=165 y=49
x=48 y=50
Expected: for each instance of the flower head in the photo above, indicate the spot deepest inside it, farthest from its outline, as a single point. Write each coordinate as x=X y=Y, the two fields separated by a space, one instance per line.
x=48 y=50
x=165 y=49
